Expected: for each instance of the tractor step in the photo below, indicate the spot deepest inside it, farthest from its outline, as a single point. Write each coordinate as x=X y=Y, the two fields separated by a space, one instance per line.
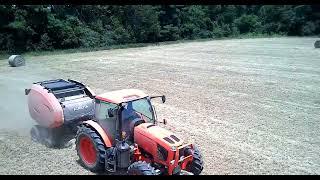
x=110 y=166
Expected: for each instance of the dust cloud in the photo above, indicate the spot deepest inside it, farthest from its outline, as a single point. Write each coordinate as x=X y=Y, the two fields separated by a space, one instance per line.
x=14 y=109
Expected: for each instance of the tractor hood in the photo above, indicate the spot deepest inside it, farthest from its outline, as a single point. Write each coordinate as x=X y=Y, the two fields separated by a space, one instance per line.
x=158 y=134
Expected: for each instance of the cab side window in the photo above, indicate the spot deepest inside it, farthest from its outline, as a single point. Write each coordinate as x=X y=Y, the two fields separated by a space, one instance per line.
x=102 y=110
x=109 y=124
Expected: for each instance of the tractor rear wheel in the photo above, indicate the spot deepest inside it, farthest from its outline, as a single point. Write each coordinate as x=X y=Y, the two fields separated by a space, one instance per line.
x=196 y=166
x=141 y=168
x=90 y=149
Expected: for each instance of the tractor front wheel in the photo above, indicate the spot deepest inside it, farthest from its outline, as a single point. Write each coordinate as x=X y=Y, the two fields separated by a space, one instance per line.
x=141 y=168
x=196 y=166
x=90 y=149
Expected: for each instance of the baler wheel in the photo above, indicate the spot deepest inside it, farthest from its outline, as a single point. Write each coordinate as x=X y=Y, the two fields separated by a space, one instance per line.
x=48 y=137
x=55 y=137
x=35 y=134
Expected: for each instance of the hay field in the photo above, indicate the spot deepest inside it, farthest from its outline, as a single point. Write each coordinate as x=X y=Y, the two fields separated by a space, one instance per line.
x=251 y=105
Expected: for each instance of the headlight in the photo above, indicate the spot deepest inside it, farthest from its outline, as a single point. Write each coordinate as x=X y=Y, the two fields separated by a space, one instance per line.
x=173 y=148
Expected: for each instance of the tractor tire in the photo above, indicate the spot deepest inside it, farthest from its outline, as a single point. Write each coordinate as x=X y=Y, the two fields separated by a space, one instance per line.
x=141 y=168
x=196 y=166
x=90 y=149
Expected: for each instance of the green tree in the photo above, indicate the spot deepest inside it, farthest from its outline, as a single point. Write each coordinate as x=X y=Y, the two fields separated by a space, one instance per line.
x=247 y=23
x=195 y=22
x=47 y=27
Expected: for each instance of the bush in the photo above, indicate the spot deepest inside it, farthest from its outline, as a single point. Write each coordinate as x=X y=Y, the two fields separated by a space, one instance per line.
x=45 y=43
x=235 y=31
x=217 y=31
x=271 y=28
x=169 y=33
x=89 y=38
x=308 y=29
x=247 y=23
x=205 y=34
x=107 y=38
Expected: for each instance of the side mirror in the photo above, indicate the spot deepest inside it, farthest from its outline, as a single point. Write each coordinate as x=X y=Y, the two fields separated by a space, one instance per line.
x=164 y=121
x=163 y=98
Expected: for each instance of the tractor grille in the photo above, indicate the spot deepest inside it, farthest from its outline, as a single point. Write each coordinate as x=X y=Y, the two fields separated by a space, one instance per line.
x=175 y=138
x=171 y=139
x=168 y=140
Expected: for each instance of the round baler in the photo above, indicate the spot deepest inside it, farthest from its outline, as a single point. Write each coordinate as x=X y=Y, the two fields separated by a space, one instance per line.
x=58 y=106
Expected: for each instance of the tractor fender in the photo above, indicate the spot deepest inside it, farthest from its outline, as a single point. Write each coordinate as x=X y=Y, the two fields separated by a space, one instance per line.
x=100 y=131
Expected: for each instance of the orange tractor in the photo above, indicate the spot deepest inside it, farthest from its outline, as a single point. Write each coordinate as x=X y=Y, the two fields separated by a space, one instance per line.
x=117 y=131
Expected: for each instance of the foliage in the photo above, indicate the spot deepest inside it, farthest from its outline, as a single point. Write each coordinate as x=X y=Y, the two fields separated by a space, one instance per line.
x=48 y=27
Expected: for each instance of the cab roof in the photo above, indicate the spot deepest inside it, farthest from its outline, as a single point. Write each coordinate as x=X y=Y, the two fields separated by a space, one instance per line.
x=121 y=96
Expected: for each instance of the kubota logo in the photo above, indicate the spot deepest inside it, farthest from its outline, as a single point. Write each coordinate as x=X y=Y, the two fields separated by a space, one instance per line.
x=80 y=107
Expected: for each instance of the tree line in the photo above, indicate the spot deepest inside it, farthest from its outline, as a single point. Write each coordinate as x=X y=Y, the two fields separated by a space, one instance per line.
x=48 y=27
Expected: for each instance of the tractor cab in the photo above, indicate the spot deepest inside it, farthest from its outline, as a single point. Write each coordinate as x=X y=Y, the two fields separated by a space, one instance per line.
x=118 y=112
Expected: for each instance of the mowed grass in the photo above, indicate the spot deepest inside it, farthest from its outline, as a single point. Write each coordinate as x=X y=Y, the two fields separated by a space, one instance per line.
x=4 y=55
x=250 y=105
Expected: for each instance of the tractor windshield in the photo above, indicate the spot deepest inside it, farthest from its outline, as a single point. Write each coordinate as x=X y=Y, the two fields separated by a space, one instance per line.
x=140 y=108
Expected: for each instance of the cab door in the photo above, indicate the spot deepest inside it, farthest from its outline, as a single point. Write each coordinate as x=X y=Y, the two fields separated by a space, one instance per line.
x=107 y=121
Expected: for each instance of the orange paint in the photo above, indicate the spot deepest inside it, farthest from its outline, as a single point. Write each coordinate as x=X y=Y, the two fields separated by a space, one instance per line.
x=101 y=132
